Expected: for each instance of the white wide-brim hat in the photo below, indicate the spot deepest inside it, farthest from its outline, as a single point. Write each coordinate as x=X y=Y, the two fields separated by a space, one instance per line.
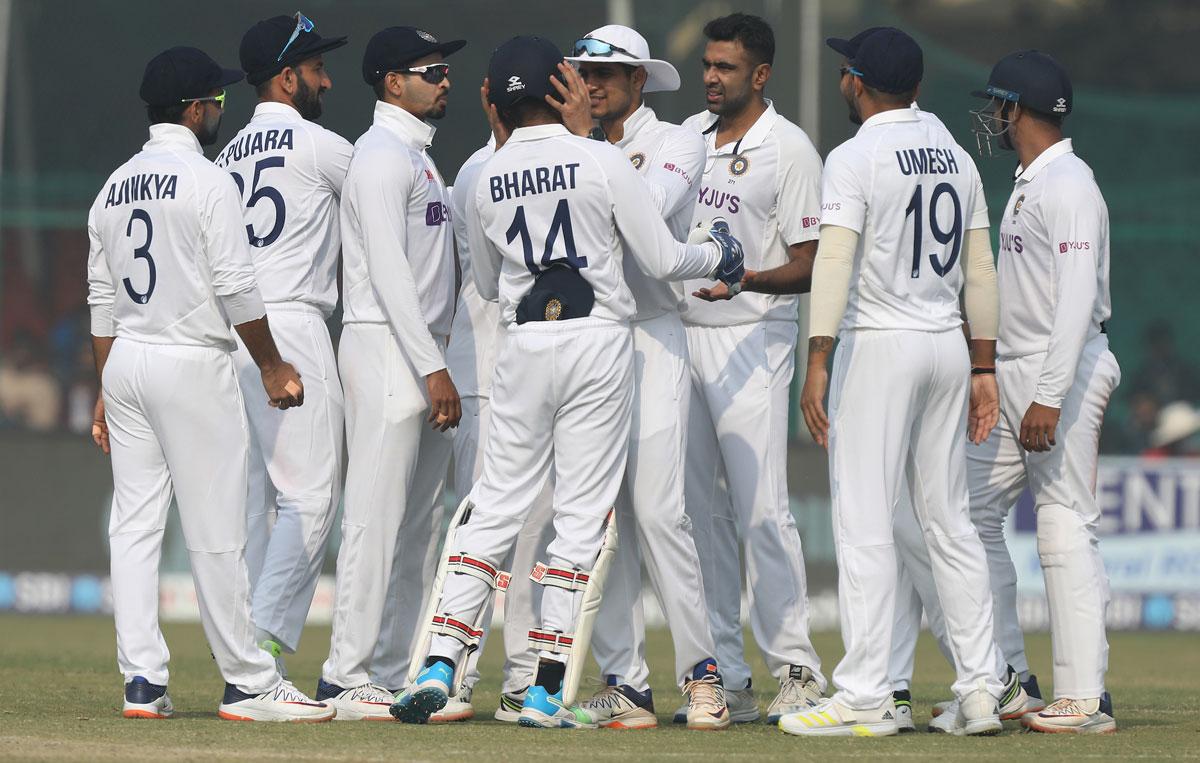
x=1177 y=421
x=660 y=75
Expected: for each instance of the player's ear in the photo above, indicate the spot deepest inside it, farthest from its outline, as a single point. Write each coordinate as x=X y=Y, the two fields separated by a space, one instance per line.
x=761 y=74
x=639 y=77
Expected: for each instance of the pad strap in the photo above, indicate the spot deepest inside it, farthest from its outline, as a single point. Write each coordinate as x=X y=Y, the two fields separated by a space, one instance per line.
x=572 y=580
x=551 y=641
x=478 y=568
x=444 y=625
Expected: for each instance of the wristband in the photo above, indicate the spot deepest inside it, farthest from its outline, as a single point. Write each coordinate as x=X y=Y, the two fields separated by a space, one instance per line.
x=980 y=371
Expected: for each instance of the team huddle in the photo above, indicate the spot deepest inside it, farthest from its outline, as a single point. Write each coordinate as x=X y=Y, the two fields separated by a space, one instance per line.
x=593 y=333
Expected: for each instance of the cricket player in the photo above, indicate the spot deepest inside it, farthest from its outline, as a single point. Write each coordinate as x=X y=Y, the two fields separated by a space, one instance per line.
x=1056 y=375
x=904 y=227
x=761 y=179
x=554 y=216
x=168 y=272
x=614 y=61
x=399 y=284
x=290 y=171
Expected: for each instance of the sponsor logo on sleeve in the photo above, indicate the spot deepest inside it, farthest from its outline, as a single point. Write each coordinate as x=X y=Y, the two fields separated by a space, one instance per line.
x=1074 y=246
x=831 y=206
x=436 y=213
x=809 y=222
x=670 y=167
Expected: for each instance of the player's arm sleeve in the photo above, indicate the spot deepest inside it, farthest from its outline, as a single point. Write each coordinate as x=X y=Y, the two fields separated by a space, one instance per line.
x=333 y=154
x=832 y=271
x=647 y=238
x=485 y=257
x=678 y=168
x=1076 y=223
x=101 y=291
x=382 y=206
x=228 y=252
x=979 y=292
x=844 y=194
x=799 y=193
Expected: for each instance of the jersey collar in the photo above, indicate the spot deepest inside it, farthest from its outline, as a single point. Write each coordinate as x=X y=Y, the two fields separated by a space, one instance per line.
x=1058 y=149
x=173 y=135
x=753 y=138
x=537 y=132
x=639 y=119
x=276 y=109
x=416 y=132
x=891 y=116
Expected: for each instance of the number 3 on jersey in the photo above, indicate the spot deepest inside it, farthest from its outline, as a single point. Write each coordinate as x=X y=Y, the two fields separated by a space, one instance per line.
x=953 y=236
x=141 y=253
x=258 y=193
x=561 y=224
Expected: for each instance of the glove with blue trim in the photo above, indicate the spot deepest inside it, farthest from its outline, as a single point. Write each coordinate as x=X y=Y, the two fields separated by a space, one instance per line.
x=730 y=270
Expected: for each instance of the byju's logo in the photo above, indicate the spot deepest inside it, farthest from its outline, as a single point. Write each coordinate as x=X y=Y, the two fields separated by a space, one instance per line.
x=436 y=213
x=515 y=84
x=1074 y=246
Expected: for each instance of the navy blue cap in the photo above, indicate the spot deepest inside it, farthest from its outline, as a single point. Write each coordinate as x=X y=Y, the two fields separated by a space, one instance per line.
x=1032 y=79
x=179 y=74
x=521 y=68
x=398 y=46
x=889 y=61
x=849 y=48
x=268 y=47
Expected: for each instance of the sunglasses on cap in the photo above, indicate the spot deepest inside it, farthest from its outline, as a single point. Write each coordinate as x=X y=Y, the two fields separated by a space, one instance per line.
x=594 y=47
x=303 y=24
x=219 y=98
x=434 y=74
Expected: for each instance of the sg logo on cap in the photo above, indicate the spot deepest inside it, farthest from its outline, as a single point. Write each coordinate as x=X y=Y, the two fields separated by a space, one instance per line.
x=739 y=166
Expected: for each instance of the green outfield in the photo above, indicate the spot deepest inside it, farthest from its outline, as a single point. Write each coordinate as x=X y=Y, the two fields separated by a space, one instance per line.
x=62 y=700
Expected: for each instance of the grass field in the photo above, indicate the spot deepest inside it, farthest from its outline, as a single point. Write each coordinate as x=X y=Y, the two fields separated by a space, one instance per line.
x=62 y=700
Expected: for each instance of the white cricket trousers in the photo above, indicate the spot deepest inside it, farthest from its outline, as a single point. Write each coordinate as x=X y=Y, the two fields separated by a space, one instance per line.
x=737 y=435
x=561 y=398
x=177 y=428
x=397 y=468
x=652 y=523
x=898 y=410
x=295 y=472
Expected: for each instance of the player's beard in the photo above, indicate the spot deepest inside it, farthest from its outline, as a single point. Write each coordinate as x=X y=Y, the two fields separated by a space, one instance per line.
x=854 y=114
x=307 y=100
x=733 y=104
x=209 y=130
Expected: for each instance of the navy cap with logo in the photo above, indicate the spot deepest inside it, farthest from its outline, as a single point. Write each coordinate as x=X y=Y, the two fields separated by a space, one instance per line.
x=1032 y=79
x=521 y=68
x=849 y=48
x=397 y=47
x=183 y=73
x=276 y=43
x=889 y=60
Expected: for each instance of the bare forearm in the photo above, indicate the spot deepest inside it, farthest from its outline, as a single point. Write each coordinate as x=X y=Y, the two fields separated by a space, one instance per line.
x=794 y=277
x=819 y=349
x=256 y=335
x=983 y=353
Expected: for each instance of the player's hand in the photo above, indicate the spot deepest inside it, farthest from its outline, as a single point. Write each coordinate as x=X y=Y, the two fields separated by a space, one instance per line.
x=283 y=385
x=576 y=105
x=445 y=408
x=720 y=290
x=812 y=403
x=499 y=131
x=1037 y=428
x=100 y=425
x=985 y=407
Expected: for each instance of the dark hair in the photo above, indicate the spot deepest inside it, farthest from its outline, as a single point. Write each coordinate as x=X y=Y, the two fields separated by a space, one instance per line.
x=524 y=110
x=380 y=88
x=752 y=32
x=1055 y=120
x=891 y=99
x=172 y=114
x=263 y=88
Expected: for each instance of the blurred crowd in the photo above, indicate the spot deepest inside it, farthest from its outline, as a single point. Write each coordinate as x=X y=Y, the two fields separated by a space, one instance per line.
x=48 y=382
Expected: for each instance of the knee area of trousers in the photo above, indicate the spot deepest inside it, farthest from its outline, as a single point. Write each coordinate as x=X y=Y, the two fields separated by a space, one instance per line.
x=1060 y=532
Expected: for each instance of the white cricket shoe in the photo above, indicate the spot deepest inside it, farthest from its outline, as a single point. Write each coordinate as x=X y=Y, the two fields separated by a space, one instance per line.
x=708 y=709
x=146 y=700
x=798 y=692
x=742 y=705
x=511 y=703
x=366 y=702
x=1074 y=716
x=832 y=718
x=284 y=703
x=620 y=706
x=458 y=708
x=1014 y=703
x=904 y=716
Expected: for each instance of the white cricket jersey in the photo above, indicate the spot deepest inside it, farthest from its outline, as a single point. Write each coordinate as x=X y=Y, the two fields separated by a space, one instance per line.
x=1053 y=267
x=548 y=196
x=167 y=240
x=911 y=193
x=670 y=158
x=290 y=172
x=471 y=353
x=397 y=246
x=767 y=187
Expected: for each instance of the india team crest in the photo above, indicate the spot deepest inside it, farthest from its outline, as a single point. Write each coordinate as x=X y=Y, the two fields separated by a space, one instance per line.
x=554 y=309
x=637 y=160
x=739 y=166
x=1017 y=206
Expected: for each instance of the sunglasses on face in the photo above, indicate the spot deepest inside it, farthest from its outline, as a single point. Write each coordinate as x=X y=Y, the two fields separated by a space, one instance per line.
x=594 y=47
x=303 y=24
x=844 y=70
x=219 y=99
x=434 y=74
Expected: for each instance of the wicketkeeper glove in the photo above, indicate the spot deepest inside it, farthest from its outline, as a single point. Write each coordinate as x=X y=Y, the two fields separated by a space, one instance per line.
x=730 y=270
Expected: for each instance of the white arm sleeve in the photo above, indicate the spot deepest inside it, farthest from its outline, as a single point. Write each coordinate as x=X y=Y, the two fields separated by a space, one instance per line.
x=799 y=191
x=485 y=257
x=101 y=291
x=332 y=156
x=228 y=252
x=831 y=279
x=678 y=167
x=979 y=292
